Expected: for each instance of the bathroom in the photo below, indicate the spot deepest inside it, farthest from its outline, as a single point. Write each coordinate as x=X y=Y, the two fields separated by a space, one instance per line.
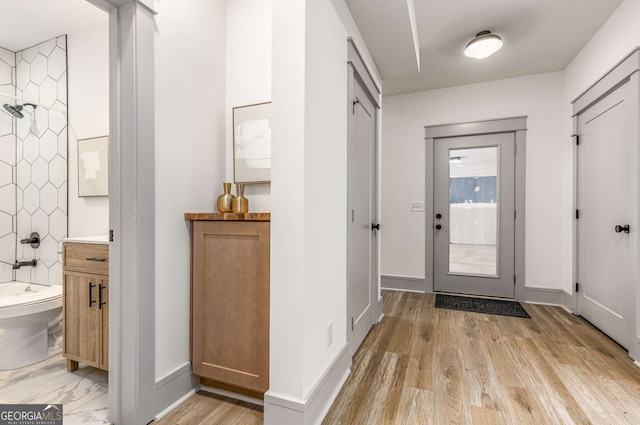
x=54 y=83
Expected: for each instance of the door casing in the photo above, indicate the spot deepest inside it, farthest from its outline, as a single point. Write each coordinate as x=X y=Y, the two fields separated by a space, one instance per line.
x=516 y=125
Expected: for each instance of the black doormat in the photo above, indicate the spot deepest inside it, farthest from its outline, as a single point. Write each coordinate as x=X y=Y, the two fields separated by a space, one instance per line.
x=481 y=305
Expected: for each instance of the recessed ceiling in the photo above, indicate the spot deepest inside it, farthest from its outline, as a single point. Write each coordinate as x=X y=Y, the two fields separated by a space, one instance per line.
x=539 y=36
x=25 y=23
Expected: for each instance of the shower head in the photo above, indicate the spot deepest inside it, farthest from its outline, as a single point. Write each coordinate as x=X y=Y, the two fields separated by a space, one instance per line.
x=16 y=110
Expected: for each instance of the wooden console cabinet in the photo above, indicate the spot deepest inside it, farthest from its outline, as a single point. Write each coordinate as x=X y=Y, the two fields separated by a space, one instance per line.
x=85 y=308
x=230 y=300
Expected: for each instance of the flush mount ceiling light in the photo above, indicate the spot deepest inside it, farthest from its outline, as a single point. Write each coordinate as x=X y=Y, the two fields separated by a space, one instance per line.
x=484 y=45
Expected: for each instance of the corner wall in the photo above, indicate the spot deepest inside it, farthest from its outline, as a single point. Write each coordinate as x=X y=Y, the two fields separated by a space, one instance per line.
x=309 y=204
x=189 y=158
x=248 y=64
x=539 y=97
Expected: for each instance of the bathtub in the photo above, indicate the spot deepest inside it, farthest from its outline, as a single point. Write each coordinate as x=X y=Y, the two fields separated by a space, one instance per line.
x=27 y=311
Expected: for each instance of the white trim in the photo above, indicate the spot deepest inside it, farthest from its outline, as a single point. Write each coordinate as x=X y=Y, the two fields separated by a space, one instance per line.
x=401 y=283
x=175 y=405
x=637 y=363
x=281 y=409
x=547 y=296
x=235 y=396
x=380 y=310
x=174 y=386
x=612 y=79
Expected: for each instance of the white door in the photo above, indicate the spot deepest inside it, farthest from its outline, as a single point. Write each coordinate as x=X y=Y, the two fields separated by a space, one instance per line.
x=474 y=215
x=361 y=215
x=606 y=183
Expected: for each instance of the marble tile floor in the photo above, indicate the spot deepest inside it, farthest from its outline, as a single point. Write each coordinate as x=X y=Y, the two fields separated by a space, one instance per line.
x=83 y=393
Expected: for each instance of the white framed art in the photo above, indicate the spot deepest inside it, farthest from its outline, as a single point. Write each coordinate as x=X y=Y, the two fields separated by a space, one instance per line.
x=93 y=167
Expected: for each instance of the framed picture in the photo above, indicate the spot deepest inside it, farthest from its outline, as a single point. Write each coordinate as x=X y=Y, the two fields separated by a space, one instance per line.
x=93 y=167
x=252 y=143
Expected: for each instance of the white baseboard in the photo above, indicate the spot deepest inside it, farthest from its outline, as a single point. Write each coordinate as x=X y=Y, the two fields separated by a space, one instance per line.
x=555 y=297
x=174 y=389
x=401 y=283
x=281 y=409
x=380 y=310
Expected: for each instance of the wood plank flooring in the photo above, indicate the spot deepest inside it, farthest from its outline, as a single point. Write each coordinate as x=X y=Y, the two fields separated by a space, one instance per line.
x=211 y=409
x=423 y=365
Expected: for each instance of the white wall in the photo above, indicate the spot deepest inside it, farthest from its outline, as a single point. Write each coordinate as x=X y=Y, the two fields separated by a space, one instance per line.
x=189 y=156
x=88 y=56
x=614 y=40
x=248 y=77
x=403 y=162
x=308 y=201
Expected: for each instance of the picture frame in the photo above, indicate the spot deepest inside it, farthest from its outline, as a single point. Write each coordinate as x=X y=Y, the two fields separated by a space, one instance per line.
x=93 y=167
x=252 y=143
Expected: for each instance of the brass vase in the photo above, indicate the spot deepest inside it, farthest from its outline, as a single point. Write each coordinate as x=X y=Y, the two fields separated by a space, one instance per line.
x=225 y=201
x=240 y=204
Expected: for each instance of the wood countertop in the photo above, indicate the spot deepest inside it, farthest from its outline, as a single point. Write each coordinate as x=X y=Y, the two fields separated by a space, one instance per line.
x=258 y=216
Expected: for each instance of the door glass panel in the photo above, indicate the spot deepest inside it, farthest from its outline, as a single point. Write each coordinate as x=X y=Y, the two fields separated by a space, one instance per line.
x=473 y=211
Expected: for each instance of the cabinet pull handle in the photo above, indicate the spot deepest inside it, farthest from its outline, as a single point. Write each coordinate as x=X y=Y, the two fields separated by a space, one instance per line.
x=96 y=259
x=100 y=303
x=91 y=300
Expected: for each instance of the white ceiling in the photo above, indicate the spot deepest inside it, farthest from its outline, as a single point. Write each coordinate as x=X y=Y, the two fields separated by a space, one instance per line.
x=539 y=36
x=25 y=23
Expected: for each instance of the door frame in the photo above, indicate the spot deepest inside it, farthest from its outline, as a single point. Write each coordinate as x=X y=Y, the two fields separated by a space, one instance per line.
x=359 y=73
x=626 y=71
x=516 y=125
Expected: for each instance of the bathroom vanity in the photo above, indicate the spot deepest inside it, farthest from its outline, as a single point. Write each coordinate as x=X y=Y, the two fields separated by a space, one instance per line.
x=85 y=265
x=230 y=300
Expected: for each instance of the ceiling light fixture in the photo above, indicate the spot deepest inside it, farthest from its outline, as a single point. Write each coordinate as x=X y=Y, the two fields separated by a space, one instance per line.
x=484 y=45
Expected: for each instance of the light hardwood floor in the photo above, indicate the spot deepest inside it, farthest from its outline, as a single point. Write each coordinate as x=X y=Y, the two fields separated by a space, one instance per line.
x=210 y=409
x=423 y=365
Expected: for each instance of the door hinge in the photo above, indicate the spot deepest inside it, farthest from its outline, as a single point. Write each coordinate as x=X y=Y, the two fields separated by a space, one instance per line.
x=352 y=323
x=514 y=279
x=110 y=235
x=577 y=214
x=577 y=137
x=515 y=149
x=515 y=214
x=577 y=287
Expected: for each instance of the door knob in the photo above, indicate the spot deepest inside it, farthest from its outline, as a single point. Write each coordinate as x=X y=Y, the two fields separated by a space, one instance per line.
x=622 y=228
x=438 y=216
x=438 y=227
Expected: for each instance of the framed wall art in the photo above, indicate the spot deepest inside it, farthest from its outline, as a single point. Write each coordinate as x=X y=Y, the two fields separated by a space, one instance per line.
x=93 y=167
x=252 y=143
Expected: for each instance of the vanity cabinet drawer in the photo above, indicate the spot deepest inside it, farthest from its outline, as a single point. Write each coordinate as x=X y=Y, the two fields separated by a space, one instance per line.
x=86 y=257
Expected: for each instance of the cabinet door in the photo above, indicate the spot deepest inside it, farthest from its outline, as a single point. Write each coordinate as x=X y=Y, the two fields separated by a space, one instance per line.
x=230 y=303
x=81 y=318
x=104 y=308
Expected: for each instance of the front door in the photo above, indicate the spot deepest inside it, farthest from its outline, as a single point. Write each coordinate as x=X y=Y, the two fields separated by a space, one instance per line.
x=474 y=215
x=361 y=214
x=606 y=159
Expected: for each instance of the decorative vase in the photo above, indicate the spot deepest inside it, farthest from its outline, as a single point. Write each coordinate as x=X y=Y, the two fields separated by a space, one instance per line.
x=240 y=204
x=225 y=201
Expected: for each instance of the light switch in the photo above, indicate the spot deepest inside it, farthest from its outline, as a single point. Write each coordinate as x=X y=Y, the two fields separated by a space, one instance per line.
x=417 y=207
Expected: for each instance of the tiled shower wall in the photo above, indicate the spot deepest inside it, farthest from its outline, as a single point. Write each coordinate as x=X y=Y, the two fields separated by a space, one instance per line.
x=7 y=168
x=41 y=158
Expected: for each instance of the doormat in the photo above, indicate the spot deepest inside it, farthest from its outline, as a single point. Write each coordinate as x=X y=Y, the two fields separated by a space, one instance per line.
x=481 y=305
